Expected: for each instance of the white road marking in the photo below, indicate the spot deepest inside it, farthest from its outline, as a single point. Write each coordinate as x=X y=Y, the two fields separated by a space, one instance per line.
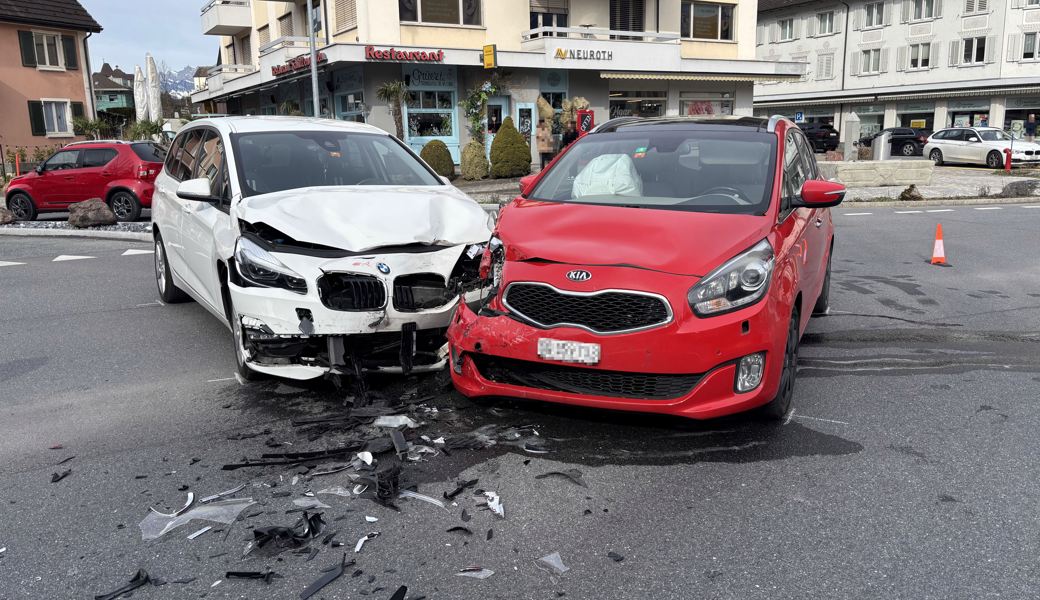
x=988 y=207
x=940 y=210
x=221 y=379
x=9 y=264
x=133 y=252
x=819 y=419
x=857 y=214
x=1038 y=206
x=909 y=212
x=787 y=419
x=156 y=303
x=65 y=257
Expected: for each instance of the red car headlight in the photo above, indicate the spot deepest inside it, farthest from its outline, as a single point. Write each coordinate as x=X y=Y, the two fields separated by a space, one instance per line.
x=741 y=281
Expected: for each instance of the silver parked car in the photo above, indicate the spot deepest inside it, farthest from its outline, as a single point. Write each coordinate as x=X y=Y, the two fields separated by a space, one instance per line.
x=979 y=145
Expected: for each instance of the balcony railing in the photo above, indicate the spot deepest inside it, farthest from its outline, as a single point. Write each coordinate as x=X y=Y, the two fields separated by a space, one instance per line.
x=292 y=42
x=236 y=70
x=593 y=33
x=226 y=17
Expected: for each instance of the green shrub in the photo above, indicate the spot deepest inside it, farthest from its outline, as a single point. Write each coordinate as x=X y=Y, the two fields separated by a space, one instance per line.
x=474 y=162
x=436 y=154
x=510 y=154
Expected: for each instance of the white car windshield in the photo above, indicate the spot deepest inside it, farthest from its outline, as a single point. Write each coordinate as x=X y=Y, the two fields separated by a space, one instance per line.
x=286 y=160
x=994 y=135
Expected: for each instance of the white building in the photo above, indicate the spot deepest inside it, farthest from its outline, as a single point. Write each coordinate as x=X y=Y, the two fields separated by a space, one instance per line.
x=909 y=63
x=644 y=57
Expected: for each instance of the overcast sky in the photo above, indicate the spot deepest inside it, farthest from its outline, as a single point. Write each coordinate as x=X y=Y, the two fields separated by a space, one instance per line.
x=170 y=29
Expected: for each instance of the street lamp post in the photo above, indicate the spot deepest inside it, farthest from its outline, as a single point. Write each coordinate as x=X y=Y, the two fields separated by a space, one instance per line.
x=311 y=25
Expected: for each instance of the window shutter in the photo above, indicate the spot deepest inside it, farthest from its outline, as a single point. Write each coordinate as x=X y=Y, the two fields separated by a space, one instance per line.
x=991 y=49
x=969 y=6
x=901 y=61
x=264 y=35
x=346 y=14
x=774 y=33
x=838 y=17
x=796 y=29
x=908 y=6
x=285 y=26
x=759 y=35
x=28 y=47
x=933 y=55
x=810 y=26
x=1012 y=47
x=36 y=122
x=857 y=19
x=884 y=60
x=888 y=8
x=854 y=62
x=981 y=5
x=77 y=109
x=955 y=52
x=937 y=11
x=68 y=46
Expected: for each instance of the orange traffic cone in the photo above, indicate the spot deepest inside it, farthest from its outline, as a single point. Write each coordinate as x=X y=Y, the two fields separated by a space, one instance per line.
x=938 y=251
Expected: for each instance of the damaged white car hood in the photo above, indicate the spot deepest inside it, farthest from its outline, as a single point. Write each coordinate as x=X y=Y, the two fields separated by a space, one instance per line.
x=361 y=218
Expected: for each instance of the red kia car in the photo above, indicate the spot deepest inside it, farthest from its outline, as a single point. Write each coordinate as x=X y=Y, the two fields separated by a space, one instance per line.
x=120 y=173
x=660 y=265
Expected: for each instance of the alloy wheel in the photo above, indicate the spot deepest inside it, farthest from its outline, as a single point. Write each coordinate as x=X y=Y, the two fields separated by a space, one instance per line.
x=160 y=266
x=122 y=206
x=908 y=149
x=993 y=160
x=790 y=369
x=936 y=157
x=20 y=207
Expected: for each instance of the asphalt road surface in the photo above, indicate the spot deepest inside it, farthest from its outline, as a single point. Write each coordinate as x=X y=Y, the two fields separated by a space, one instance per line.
x=908 y=468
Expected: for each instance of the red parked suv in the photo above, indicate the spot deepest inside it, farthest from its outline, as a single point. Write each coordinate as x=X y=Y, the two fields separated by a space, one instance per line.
x=663 y=265
x=120 y=173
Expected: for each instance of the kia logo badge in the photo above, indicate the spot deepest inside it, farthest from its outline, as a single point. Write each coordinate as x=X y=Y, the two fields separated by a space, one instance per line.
x=579 y=275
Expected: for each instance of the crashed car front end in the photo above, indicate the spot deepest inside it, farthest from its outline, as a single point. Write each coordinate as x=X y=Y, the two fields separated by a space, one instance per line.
x=307 y=308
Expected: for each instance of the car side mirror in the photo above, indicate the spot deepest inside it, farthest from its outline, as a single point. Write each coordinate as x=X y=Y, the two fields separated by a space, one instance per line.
x=196 y=190
x=973 y=139
x=39 y=169
x=817 y=193
x=444 y=180
x=526 y=183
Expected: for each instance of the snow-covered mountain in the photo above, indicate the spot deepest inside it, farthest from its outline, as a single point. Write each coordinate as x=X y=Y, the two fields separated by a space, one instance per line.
x=179 y=83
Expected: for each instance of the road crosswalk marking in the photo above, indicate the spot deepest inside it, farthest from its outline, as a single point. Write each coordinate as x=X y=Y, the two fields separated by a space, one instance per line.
x=133 y=252
x=4 y=263
x=65 y=257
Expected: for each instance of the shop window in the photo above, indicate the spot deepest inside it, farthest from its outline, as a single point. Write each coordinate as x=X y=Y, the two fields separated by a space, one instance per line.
x=448 y=12
x=696 y=103
x=874 y=14
x=705 y=21
x=870 y=61
x=350 y=106
x=431 y=113
x=786 y=29
x=923 y=9
x=555 y=100
x=920 y=56
x=637 y=104
x=974 y=51
x=1029 y=46
x=825 y=23
x=548 y=19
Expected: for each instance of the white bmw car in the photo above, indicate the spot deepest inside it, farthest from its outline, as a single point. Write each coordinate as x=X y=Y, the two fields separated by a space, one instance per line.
x=324 y=246
x=980 y=146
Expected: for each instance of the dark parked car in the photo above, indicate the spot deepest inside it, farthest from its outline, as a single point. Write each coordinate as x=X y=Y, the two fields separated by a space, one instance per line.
x=120 y=173
x=822 y=136
x=905 y=141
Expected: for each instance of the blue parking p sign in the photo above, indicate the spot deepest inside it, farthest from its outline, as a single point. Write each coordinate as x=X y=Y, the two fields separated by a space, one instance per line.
x=799 y=117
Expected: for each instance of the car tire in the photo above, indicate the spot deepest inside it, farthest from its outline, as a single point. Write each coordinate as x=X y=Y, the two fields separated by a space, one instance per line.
x=823 y=303
x=125 y=205
x=994 y=160
x=168 y=291
x=777 y=408
x=22 y=206
x=238 y=347
x=936 y=156
x=908 y=149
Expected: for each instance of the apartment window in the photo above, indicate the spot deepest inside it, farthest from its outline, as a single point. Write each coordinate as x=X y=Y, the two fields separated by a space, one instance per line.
x=870 y=61
x=825 y=66
x=973 y=6
x=247 y=50
x=974 y=51
x=1032 y=2
x=112 y=98
x=1029 y=46
x=920 y=56
x=825 y=23
x=229 y=54
x=874 y=14
x=548 y=19
x=48 y=49
x=704 y=21
x=924 y=9
x=346 y=14
x=449 y=12
x=56 y=116
x=786 y=29
x=263 y=34
x=285 y=26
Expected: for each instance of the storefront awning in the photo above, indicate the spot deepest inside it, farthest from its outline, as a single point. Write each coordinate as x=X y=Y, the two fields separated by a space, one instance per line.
x=691 y=76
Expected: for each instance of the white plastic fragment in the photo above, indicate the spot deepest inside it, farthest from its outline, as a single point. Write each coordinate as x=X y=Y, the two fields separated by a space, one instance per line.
x=187 y=505
x=4 y=549
x=220 y=511
x=494 y=504
x=200 y=532
x=337 y=490
x=310 y=503
x=220 y=495
x=439 y=441
x=475 y=573
x=366 y=457
x=424 y=498
x=371 y=519
x=217 y=582
x=295 y=479
x=555 y=561
x=362 y=541
x=395 y=421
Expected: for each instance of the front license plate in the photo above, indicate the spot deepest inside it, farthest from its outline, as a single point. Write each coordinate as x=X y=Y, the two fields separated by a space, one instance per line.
x=572 y=352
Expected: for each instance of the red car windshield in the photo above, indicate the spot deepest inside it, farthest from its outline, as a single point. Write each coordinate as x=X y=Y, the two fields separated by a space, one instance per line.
x=723 y=171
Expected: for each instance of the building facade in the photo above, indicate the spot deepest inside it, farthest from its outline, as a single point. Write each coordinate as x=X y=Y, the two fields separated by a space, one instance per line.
x=113 y=93
x=908 y=63
x=643 y=57
x=45 y=70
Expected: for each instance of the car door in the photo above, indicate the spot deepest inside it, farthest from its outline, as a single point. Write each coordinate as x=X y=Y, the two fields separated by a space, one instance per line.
x=201 y=221
x=57 y=181
x=974 y=151
x=93 y=174
x=953 y=146
x=797 y=247
x=168 y=211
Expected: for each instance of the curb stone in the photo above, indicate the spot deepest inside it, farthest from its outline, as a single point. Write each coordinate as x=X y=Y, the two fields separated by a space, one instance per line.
x=77 y=233
x=940 y=202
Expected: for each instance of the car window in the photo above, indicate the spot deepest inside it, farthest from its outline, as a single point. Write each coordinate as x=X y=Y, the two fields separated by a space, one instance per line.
x=148 y=151
x=808 y=157
x=954 y=135
x=994 y=135
x=64 y=159
x=796 y=171
x=723 y=171
x=211 y=165
x=97 y=157
x=182 y=157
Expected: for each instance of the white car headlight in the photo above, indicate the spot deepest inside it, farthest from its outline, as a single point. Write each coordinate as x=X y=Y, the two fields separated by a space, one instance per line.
x=259 y=267
x=741 y=281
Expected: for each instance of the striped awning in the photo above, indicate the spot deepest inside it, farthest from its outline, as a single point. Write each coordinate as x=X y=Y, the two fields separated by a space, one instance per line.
x=691 y=76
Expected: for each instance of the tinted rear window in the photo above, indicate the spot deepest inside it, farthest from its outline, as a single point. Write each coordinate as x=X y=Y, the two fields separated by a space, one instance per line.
x=149 y=152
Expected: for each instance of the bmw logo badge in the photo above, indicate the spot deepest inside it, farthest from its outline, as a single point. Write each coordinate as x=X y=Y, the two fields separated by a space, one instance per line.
x=383 y=268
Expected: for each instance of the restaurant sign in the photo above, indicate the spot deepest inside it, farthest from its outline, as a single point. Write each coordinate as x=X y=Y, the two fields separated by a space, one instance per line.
x=393 y=54
x=297 y=64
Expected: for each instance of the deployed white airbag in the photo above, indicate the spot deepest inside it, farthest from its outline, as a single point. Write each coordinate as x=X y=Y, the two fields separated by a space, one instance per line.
x=608 y=175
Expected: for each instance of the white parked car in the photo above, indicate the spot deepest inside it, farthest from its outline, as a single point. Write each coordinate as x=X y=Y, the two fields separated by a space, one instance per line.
x=324 y=246
x=979 y=145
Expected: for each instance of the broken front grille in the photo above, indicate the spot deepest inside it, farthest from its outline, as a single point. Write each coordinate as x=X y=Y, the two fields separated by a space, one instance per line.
x=600 y=312
x=351 y=292
x=420 y=291
x=582 y=380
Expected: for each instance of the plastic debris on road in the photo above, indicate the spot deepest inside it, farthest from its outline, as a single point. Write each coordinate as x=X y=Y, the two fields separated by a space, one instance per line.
x=187 y=505
x=572 y=474
x=200 y=532
x=221 y=511
x=424 y=498
x=139 y=579
x=337 y=490
x=555 y=562
x=262 y=576
x=371 y=519
x=326 y=579
x=361 y=542
x=56 y=477
x=614 y=556
x=220 y=495
x=310 y=503
x=395 y=421
x=475 y=572
x=459 y=487
x=494 y=504
x=400 y=593
x=280 y=538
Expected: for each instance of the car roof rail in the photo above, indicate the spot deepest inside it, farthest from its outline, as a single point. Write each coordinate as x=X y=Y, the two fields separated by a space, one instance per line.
x=81 y=142
x=773 y=120
x=613 y=124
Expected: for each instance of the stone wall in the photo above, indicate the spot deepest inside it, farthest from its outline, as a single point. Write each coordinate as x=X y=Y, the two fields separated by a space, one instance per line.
x=875 y=173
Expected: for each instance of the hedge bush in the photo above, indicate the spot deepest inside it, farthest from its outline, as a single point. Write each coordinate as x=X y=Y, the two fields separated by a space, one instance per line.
x=474 y=162
x=436 y=154
x=510 y=154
